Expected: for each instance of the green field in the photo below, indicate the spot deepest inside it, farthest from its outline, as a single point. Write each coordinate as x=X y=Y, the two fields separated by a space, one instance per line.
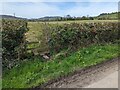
x=34 y=31
x=34 y=35
x=83 y=21
x=110 y=16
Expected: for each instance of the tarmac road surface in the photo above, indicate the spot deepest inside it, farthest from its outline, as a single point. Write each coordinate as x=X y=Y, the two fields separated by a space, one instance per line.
x=103 y=75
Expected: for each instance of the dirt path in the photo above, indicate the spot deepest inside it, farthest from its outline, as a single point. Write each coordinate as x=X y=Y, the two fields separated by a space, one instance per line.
x=104 y=75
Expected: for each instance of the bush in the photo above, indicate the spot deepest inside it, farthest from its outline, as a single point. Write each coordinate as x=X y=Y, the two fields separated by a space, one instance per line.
x=77 y=35
x=13 y=41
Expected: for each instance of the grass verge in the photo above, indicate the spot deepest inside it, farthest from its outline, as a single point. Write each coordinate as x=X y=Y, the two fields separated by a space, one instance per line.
x=0 y=84
x=33 y=72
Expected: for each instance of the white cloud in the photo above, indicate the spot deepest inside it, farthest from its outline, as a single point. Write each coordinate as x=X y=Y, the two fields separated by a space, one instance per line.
x=0 y=7
x=36 y=10
x=93 y=9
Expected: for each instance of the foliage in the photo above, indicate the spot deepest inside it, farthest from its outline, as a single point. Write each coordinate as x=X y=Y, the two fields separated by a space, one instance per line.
x=75 y=35
x=13 y=40
x=0 y=83
x=33 y=72
x=102 y=16
x=37 y=32
x=108 y=16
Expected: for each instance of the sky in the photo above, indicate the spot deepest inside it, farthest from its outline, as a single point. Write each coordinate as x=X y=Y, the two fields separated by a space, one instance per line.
x=37 y=9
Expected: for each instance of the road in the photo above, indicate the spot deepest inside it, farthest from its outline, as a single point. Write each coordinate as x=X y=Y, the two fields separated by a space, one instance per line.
x=103 y=75
x=110 y=81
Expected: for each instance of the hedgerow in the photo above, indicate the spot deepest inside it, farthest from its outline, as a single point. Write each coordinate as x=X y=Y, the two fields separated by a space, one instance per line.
x=75 y=35
x=13 y=41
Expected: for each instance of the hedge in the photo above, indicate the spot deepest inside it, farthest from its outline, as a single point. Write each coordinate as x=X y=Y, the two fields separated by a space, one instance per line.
x=13 y=41
x=75 y=35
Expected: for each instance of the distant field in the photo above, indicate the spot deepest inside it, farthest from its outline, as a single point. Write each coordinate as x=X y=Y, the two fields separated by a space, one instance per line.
x=34 y=35
x=78 y=21
x=110 y=16
x=84 y=21
x=34 y=31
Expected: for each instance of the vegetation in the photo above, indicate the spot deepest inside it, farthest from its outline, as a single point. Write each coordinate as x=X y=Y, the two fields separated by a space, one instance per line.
x=35 y=30
x=0 y=84
x=34 y=35
x=72 y=45
x=33 y=72
x=102 y=16
x=73 y=36
x=13 y=41
x=108 y=16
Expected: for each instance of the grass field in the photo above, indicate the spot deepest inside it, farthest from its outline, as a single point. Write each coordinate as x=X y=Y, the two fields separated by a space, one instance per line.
x=83 y=21
x=110 y=16
x=34 y=72
x=34 y=31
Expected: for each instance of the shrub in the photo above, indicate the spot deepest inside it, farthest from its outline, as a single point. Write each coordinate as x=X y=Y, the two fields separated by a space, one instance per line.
x=77 y=35
x=13 y=41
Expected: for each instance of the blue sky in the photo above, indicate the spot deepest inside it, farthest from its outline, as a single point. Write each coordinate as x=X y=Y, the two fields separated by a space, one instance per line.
x=41 y=9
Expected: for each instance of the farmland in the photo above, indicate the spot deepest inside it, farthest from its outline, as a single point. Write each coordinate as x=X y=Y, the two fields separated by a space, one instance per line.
x=112 y=16
x=77 y=48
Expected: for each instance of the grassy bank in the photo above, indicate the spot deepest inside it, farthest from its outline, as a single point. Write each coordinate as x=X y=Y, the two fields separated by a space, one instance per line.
x=0 y=84
x=34 y=72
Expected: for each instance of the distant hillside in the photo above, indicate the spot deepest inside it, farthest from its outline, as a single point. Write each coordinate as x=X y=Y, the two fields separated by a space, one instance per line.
x=103 y=16
x=47 y=18
x=10 y=17
x=50 y=18
x=108 y=16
